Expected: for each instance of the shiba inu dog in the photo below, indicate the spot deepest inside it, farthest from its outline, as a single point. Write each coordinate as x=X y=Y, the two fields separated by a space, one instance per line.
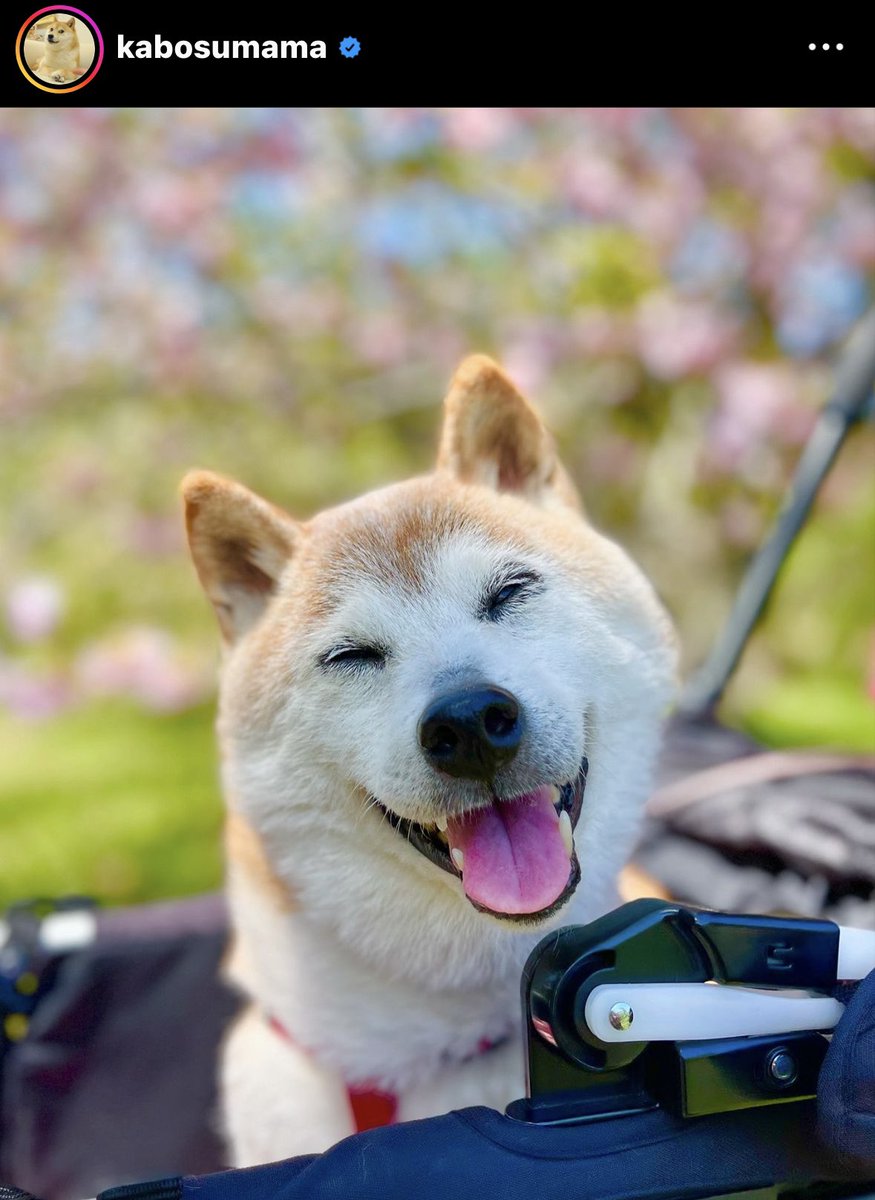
x=61 y=57
x=439 y=708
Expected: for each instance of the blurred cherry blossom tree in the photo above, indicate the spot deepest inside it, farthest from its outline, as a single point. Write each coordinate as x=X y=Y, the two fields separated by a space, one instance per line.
x=283 y=294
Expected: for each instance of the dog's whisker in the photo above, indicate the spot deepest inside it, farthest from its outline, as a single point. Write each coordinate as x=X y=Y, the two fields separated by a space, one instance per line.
x=371 y=803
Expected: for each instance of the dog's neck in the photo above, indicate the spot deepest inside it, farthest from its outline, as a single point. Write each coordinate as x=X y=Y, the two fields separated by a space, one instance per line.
x=391 y=994
x=367 y=1026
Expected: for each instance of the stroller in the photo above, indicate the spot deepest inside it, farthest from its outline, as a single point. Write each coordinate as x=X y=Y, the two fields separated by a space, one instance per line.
x=110 y=1022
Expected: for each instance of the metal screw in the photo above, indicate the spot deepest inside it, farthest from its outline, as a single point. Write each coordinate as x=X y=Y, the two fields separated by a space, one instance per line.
x=781 y=1068
x=621 y=1015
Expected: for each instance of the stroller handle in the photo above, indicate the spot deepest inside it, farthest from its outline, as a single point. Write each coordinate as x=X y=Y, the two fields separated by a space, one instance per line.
x=851 y=401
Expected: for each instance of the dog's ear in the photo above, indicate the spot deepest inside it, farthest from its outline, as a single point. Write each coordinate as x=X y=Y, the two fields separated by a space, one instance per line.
x=71 y=23
x=240 y=545
x=493 y=436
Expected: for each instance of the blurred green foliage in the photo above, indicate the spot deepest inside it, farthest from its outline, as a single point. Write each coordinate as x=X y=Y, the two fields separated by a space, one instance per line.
x=121 y=804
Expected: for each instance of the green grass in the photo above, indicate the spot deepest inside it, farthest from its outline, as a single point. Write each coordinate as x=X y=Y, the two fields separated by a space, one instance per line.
x=813 y=712
x=112 y=801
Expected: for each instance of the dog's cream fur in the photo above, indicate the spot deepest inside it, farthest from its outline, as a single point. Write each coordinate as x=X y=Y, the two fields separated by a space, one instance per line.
x=61 y=58
x=367 y=952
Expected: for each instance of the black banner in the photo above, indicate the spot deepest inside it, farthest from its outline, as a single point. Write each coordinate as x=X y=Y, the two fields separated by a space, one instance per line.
x=155 y=55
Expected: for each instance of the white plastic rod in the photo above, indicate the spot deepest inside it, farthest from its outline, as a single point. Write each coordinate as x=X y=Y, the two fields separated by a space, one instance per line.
x=61 y=932
x=682 y=1012
x=856 y=952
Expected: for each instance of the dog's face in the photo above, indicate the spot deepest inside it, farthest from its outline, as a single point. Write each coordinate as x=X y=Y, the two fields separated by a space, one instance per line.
x=62 y=33
x=422 y=677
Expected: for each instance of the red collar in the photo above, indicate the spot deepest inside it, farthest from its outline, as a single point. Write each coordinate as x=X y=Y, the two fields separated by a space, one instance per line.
x=370 y=1106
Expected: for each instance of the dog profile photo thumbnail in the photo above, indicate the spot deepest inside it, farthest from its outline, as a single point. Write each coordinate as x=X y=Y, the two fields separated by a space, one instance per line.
x=59 y=50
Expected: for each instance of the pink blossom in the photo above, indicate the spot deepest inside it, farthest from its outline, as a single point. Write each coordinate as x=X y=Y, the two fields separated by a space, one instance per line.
x=472 y=129
x=528 y=365
x=143 y=663
x=529 y=351
x=442 y=345
x=764 y=129
x=855 y=232
x=681 y=337
x=380 y=339
x=781 y=234
x=600 y=332
x=32 y=696
x=34 y=607
x=756 y=400
x=858 y=126
x=662 y=207
x=155 y=535
x=596 y=185
x=173 y=203
x=616 y=121
x=796 y=175
x=615 y=460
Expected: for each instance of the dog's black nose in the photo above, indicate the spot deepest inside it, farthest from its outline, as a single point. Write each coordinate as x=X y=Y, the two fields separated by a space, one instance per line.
x=470 y=734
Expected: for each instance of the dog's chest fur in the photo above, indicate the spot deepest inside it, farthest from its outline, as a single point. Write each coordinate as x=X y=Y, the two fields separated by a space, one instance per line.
x=60 y=58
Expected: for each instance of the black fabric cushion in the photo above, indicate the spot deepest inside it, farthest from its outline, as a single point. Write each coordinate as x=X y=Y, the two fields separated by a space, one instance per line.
x=476 y=1152
x=116 y=1079
x=846 y=1091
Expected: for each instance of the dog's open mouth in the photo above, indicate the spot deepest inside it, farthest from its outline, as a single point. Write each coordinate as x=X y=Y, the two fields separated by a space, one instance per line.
x=515 y=857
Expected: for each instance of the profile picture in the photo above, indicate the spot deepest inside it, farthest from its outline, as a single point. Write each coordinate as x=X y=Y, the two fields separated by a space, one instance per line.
x=60 y=50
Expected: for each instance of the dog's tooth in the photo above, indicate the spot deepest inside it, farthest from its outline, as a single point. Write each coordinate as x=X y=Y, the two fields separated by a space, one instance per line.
x=556 y=798
x=567 y=832
x=441 y=823
x=458 y=858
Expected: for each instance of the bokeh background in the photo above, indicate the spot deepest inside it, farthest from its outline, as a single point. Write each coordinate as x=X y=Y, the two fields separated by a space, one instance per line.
x=282 y=296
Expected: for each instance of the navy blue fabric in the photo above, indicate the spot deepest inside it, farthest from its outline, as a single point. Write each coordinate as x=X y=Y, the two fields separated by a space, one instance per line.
x=477 y=1152
x=846 y=1088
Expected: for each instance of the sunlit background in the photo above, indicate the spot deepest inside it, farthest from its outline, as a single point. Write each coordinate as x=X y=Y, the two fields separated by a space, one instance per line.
x=282 y=296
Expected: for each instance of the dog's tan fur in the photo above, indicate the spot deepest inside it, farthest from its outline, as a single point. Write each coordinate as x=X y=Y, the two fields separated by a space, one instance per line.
x=244 y=847
x=370 y=955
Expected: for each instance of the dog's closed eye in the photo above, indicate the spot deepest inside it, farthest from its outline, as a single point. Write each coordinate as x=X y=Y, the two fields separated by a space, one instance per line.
x=501 y=594
x=353 y=656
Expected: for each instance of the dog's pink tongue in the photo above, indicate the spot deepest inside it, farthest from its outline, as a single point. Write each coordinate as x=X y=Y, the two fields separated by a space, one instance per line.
x=515 y=860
